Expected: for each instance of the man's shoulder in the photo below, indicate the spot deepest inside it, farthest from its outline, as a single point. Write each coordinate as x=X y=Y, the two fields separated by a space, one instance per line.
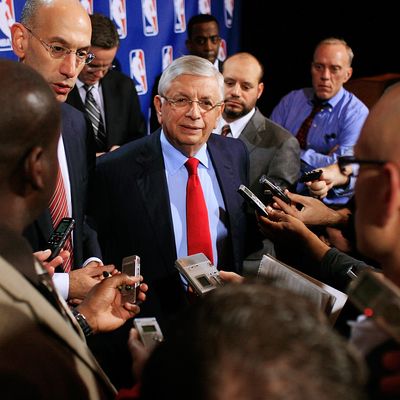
x=269 y=128
x=117 y=78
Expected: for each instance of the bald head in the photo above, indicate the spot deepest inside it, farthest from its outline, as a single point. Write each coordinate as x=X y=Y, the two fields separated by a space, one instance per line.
x=380 y=136
x=242 y=77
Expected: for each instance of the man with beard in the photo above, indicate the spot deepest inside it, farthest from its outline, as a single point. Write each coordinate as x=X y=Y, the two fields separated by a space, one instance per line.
x=273 y=150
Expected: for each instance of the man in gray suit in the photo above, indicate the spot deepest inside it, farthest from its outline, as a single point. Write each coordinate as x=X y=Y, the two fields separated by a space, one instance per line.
x=272 y=150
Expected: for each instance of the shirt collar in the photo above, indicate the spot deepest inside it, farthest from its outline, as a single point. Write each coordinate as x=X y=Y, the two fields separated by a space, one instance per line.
x=236 y=126
x=331 y=103
x=80 y=84
x=174 y=159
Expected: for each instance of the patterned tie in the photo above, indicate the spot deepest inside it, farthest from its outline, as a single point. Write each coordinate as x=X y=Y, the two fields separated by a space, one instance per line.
x=198 y=228
x=306 y=125
x=226 y=130
x=58 y=210
x=94 y=114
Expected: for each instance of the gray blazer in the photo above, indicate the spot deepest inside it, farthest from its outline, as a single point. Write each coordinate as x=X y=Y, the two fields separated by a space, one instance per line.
x=273 y=151
x=41 y=355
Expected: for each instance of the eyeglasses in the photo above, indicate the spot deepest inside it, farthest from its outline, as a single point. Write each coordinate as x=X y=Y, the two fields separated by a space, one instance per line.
x=58 y=52
x=95 y=68
x=355 y=163
x=201 y=40
x=185 y=103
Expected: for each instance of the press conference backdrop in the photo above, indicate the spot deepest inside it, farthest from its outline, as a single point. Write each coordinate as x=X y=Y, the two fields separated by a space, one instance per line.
x=152 y=33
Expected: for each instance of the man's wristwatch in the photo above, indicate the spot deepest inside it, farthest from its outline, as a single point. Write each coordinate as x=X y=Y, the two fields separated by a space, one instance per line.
x=87 y=330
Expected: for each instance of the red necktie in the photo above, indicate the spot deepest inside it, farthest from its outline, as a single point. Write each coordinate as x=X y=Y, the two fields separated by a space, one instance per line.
x=226 y=130
x=58 y=210
x=197 y=226
x=306 y=125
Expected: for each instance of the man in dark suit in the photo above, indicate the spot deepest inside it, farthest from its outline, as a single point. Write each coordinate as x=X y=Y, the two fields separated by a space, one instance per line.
x=139 y=202
x=34 y=44
x=114 y=93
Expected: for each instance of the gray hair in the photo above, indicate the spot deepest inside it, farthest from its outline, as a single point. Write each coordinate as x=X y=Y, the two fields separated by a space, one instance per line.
x=333 y=40
x=190 y=65
x=30 y=10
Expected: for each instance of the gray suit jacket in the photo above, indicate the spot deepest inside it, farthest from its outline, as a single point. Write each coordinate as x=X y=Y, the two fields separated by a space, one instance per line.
x=41 y=355
x=273 y=151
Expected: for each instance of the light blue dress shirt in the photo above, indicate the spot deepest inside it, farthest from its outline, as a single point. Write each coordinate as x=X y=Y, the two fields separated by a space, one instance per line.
x=177 y=177
x=336 y=127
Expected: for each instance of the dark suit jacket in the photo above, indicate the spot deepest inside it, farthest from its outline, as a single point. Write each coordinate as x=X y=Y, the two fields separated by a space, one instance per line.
x=273 y=151
x=124 y=119
x=132 y=211
x=79 y=150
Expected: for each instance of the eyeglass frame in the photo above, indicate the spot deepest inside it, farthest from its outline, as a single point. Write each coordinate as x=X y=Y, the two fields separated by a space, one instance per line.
x=190 y=103
x=50 y=48
x=102 y=69
x=347 y=160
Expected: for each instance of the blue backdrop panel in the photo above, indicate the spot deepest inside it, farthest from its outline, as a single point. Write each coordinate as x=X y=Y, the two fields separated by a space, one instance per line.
x=152 y=32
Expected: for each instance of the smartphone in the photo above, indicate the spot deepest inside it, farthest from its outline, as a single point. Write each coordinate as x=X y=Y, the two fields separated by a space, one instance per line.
x=201 y=274
x=131 y=267
x=378 y=298
x=149 y=331
x=252 y=200
x=59 y=236
x=311 y=176
x=275 y=189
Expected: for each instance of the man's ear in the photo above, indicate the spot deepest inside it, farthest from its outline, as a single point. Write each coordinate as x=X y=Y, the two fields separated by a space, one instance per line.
x=19 y=40
x=349 y=73
x=157 y=105
x=34 y=169
x=260 y=89
x=391 y=198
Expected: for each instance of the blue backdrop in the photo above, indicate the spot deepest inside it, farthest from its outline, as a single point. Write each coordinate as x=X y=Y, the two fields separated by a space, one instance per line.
x=152 y=32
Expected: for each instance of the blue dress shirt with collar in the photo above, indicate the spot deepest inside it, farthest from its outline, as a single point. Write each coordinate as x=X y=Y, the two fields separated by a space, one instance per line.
x=333 y=133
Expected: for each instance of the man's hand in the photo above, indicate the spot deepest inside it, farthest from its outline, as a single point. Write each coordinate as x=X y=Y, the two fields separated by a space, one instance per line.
x=50 y=266
x=139 y=353
x=83 y=279
x=309 y=210
x=230 y=277
x=103 y=307
x=331 y=176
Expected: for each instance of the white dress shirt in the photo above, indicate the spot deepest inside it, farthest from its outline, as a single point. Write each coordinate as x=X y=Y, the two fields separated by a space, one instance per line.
x=236 y=126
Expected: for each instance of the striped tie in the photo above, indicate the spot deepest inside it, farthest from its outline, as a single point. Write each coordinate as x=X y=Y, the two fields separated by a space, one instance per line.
x=226 y=130
x=58 y=210
x=93 y=112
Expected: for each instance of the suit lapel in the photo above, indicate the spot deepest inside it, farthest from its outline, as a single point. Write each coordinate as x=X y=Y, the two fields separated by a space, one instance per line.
x=22 y=292
x=250 y=133
x=153 y=188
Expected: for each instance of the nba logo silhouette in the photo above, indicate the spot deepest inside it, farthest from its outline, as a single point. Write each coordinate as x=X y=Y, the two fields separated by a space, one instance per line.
x=88 y=6
x=149 y=17
x=138 y=70
x=167 y=56
x=180 y=20
x=222 y=52
x=118 y=15
x=229 y=6
x=204 y=6
x=7 y=19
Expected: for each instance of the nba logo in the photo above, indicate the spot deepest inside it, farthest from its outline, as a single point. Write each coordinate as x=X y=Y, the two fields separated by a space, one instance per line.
x=88 y=6
x=229 y=6
x=222 y=52
x=118 y=15
x=7 y=19
x=180 y=21
x=138 y=70
x=167 y=56
x=204 y=6
x=149 y=16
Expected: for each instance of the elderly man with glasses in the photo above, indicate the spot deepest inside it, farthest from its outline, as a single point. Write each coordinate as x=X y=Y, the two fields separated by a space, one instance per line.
x=53 y=38
x=143 y=201
x=107 y=96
